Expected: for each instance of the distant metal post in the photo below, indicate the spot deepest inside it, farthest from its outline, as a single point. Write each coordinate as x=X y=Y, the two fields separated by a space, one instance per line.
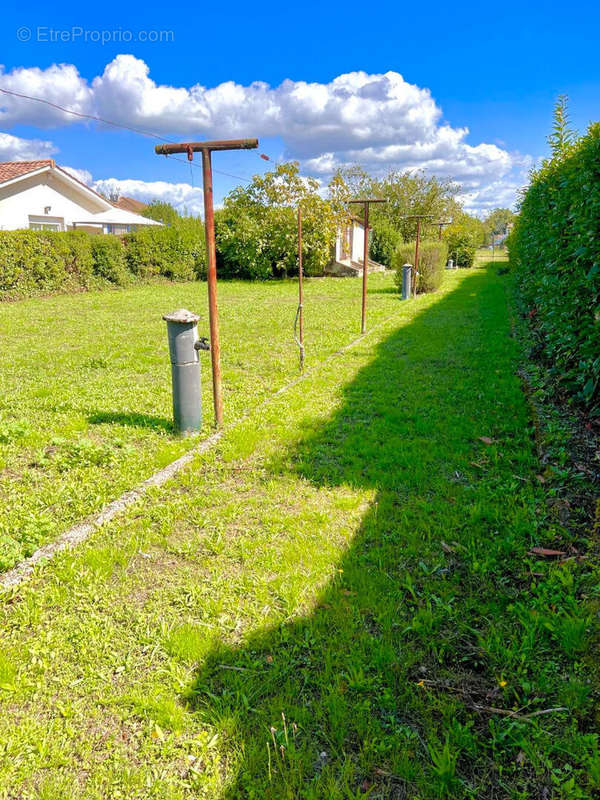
x=300 y=294
x=440 y=226
x=418 y=217
x=206 y=149
x=365 y=203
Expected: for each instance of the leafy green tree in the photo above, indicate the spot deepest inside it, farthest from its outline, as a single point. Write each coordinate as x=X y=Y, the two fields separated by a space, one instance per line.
x=406 y=193
x=161 y=211
x=257 y=227
x=498 y=221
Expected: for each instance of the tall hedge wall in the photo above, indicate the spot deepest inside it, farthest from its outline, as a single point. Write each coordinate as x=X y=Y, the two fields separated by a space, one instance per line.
x=555 y=250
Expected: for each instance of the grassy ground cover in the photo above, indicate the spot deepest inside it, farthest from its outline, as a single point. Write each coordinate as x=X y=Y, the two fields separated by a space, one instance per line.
x=336 y=602
x=85 y=386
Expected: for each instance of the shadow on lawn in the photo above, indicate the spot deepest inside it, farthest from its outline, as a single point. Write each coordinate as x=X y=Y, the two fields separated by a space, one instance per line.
x=347 y=674
x=131 y=419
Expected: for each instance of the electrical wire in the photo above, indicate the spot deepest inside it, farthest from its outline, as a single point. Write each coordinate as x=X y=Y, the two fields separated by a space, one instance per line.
x=97 y=118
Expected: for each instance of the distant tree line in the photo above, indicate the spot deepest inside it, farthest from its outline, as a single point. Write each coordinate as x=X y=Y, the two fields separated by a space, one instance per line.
x=256 y=234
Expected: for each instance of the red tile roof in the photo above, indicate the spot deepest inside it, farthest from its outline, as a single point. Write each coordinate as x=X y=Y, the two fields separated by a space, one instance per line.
x=130 y=204
x=14 y=169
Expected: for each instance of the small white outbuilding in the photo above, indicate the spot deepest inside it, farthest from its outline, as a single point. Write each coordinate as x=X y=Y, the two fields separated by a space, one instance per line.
x=349 y=251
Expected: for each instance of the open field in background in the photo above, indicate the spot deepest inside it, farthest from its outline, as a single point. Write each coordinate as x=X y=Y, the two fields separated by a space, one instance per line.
x=85 y=408
x=355 y=557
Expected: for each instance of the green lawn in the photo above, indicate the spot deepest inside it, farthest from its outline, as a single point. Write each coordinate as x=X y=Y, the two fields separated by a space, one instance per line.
x=85 y=408
x=335 y=602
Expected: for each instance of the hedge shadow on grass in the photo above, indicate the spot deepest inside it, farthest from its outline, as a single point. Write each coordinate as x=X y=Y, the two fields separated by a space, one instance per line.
x=407 y=604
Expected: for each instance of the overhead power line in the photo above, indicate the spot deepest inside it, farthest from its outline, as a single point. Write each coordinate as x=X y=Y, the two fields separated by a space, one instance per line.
x=96 y=118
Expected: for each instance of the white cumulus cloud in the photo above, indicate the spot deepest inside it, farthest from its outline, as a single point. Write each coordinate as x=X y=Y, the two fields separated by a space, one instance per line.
x=379 y=120
x=13 y=148
x=182 y=196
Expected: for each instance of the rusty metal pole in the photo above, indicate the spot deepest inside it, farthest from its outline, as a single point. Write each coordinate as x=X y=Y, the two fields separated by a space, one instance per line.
x=365 y=203
x=418 y=218
x=211 y=278
x=416 y=267
x=300 y=291
x=440 y=225
x=363 y=324
x=206 y=149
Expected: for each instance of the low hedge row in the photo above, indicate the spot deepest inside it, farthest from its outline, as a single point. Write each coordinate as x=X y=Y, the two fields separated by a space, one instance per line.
x=432 y=261
x=35 y=262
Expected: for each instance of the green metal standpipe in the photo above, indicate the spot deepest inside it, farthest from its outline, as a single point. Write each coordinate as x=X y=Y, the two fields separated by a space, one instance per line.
x=406 y=281
x=182 y=330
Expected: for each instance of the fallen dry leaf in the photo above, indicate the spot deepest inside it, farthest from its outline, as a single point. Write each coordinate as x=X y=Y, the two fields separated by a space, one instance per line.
x=486 y=440
x=546 y=552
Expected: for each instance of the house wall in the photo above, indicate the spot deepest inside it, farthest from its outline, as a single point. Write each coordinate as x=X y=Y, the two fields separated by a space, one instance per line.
x=29 y=196
x=358 y=243
x=356 y=240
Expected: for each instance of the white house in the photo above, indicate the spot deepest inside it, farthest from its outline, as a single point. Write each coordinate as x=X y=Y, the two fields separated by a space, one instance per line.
x=349 y=251
x=42 y=196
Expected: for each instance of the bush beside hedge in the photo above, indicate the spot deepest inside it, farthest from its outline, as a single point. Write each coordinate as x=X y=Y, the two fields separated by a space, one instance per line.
x=432 y=261
x=463 y=241
x=176 y=252
x=555 y=251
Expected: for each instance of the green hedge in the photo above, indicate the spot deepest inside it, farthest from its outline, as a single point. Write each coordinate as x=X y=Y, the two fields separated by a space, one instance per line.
x=555 y=251
x=432 y=261
x=177 y=252
x=108 y=255
x=40 y=262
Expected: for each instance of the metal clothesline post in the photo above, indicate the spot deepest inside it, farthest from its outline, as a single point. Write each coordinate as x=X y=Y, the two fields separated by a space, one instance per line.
x=206 y=148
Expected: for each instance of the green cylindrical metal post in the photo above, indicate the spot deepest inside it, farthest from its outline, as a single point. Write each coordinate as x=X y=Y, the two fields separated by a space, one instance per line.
x=406 y=281
x=182 y=330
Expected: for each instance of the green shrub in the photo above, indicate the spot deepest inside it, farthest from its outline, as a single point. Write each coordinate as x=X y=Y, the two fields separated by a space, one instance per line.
x=257 y=230
x=463 y=241
x=555 y=252
x=75 y=249
x=432 y=261
x=108 y=257
x=384 y=240
x=176 y=252
x=33 y=262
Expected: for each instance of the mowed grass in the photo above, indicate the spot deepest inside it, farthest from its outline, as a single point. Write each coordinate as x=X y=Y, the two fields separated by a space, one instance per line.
x=85 y=387
x=335 y=602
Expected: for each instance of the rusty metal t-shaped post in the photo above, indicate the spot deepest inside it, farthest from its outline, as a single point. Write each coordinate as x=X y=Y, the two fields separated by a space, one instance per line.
x=365 y=203
x=206 y=149
x=418 y=217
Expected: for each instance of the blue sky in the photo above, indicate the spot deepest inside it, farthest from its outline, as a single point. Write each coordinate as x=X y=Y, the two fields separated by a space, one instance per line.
x=494 y=70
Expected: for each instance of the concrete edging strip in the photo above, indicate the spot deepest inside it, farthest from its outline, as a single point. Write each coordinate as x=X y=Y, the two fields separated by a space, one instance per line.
x=81 y=531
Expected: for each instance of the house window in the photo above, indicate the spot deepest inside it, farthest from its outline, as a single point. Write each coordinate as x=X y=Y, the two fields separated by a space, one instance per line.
x=44 y=226
x=118 y=230
x=46 y=223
